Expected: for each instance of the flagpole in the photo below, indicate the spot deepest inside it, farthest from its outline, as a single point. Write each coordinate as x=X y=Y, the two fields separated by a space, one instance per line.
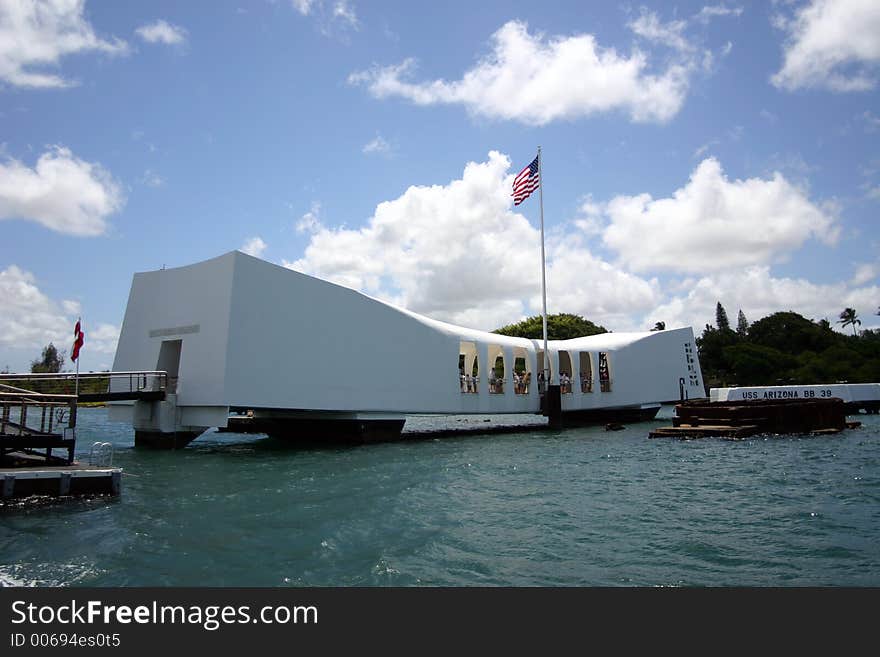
x=546 y=364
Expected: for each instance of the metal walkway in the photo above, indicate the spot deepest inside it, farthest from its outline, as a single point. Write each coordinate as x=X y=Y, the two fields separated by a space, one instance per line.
x=38 y=411
x=95 y=386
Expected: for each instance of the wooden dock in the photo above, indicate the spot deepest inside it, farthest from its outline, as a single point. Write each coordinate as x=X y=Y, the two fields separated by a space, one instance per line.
x=741 y=419
x=33 y=425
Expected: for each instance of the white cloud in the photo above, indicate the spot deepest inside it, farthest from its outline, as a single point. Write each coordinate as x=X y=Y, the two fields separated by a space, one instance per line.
x=31 y=320
x=303 y=6
x=865 y=272
x=377 y=145
x=35 y=35
x=152 y=179
x=792 y=165
x=713 y=223
x=102 y=338
x=705 y=148
x=872 y=123
x=590 y=219
x=649 y=26
x=757 y=293
x=343 y=11
x=161 y=31
x=488 y=271
x=831 y=44
x=61 y=192
x=254 y=246
x=581 y=283
x=712 y=11
x=489 y=262
x=310 y=222
x=671 y=34
x=339 y=13
x=535 y=80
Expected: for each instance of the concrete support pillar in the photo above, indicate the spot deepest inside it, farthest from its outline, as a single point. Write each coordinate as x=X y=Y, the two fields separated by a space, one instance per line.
x=157 y=425
x=552 y=406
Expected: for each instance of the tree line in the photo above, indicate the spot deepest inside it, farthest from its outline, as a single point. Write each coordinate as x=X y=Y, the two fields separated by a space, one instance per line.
x=786 y=348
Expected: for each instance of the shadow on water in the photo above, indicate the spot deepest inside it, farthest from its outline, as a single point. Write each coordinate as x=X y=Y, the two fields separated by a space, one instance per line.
x=233 y=443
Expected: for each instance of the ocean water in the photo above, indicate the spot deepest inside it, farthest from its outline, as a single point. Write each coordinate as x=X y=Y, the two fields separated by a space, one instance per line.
x=577 y=507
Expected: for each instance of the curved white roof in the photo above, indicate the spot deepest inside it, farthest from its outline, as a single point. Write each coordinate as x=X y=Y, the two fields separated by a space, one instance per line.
x=254 y=334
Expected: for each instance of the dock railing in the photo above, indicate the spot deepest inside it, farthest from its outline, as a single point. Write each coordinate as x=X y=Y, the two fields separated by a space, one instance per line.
x=34 y=423
x=93 y=386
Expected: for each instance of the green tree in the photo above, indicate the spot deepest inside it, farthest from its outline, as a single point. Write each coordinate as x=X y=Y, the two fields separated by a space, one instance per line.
x=791 y=333
x=52 y=360
x=562 y=326
x=659 y=326
x=742 y=324
x=787 y=348
x=849 y=317
x=713 y=360
x=721 y=320
x=752 y=364
x=842 y=362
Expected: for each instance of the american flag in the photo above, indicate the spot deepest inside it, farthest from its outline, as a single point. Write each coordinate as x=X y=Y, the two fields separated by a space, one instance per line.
x=526 y=181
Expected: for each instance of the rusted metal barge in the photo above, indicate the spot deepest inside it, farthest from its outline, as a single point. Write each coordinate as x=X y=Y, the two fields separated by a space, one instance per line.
x=741 y=419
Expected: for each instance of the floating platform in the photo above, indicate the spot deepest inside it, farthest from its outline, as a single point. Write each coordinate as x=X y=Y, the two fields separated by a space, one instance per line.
x=57 y=481
x=32 y=425
x=741 y=419
x=688 y=433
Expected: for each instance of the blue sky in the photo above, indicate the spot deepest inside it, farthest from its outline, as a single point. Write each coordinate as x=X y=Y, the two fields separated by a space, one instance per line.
x=693 y=152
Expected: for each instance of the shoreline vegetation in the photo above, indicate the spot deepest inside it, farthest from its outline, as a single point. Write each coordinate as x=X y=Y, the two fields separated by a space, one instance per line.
x=786 y=348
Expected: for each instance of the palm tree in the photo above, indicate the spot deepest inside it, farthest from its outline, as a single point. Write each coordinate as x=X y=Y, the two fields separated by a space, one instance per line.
x=849 y=317
x=659 y=326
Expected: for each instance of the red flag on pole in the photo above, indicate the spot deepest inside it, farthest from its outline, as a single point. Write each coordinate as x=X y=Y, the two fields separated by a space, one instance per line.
x=78 y=339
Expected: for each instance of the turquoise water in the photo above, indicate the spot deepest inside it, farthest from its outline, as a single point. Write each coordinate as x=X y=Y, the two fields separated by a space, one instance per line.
x=580 y=507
